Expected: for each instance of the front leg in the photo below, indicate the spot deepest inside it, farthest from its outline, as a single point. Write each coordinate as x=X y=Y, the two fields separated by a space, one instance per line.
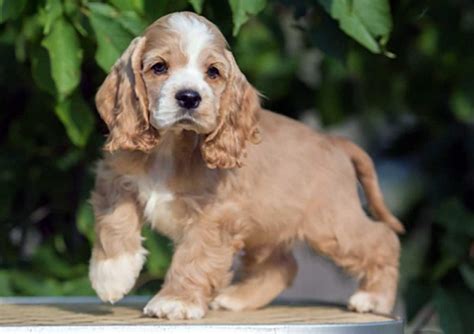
x=117 y=256
x=201 y=264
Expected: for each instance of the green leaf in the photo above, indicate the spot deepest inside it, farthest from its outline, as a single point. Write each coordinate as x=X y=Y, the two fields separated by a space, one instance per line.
x=11 y=9
x=41 y=70
x=259 y=55
x=32 y=29
x=77 y=287
x=75 y=15
x=58 y=266
x=103 y=9
x=197 y=5
x=160 y=250
x=462 y=104
x=367 y=21
x=132 y=22
x=65 y=55
x=137 y=6
x=242 y=9
x=5 y=284
x=375 y=15
x=77 y=118
x=85 y=221
x=127 y=19
x=112 y=37
x=33 y=284
x=71 y=7
x=52 y=11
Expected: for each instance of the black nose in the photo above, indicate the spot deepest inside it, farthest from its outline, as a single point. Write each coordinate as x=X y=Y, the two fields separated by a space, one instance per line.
x=188 y=98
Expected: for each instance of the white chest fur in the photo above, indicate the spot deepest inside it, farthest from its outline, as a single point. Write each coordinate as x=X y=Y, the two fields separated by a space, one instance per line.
x=156 y=197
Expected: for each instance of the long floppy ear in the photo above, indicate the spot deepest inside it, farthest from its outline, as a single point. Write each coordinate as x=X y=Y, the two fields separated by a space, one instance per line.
x=225 y=147
x=123 y=104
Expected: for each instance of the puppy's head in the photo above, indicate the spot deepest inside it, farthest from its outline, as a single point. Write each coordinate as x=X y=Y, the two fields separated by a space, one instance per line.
x=180 y=76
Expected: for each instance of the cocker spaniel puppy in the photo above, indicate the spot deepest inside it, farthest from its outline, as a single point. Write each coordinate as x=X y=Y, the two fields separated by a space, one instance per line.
x=192 y=153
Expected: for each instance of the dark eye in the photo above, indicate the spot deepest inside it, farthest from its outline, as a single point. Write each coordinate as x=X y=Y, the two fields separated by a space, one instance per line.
x=212 y=72
x=159 y=68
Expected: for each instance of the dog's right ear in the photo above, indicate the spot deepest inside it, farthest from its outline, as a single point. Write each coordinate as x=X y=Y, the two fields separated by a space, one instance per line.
x=225 y=147
x=123 y=104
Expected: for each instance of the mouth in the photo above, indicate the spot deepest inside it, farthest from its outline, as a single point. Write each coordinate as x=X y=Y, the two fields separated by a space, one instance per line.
x=183 y=120
x=186 y=118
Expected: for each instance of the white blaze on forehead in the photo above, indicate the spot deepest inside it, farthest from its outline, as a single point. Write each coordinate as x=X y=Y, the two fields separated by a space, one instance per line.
x=194 y=35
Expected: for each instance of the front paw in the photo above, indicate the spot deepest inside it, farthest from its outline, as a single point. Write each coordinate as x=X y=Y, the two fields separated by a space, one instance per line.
x=114 y=278
x=363 y=301
x=174 y=308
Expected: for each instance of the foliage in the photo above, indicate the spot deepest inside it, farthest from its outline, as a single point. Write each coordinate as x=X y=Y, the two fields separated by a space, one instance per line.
x=407 y=82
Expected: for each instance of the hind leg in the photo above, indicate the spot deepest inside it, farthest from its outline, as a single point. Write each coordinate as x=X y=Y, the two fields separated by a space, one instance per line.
x=265 y=277
x=366 y=249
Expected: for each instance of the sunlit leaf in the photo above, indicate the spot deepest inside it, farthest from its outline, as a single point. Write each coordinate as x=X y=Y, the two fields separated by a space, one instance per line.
x=75 y=15
x=137 y=6
x=65 y=55
x=112 y=37
x=243 y=9
x=50 y=13
x=71 y=6
x=132 y=22
x=367 y=21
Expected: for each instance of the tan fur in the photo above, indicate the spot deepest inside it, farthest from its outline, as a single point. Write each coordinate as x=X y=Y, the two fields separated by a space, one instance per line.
x=214 y=193
x=125 y=111
x=225 y=146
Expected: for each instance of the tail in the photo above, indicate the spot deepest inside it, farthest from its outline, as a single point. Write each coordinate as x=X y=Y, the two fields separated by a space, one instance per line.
x=368 y=178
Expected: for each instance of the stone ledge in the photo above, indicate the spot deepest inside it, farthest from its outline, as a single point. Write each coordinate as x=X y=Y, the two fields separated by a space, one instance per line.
x=87 y=314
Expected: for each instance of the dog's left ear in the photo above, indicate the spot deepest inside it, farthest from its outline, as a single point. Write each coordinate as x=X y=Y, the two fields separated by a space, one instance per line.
x=225 y=147
x=123 y=104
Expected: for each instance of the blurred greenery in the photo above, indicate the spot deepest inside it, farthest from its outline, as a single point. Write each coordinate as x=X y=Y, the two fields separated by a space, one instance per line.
x=402 y=71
